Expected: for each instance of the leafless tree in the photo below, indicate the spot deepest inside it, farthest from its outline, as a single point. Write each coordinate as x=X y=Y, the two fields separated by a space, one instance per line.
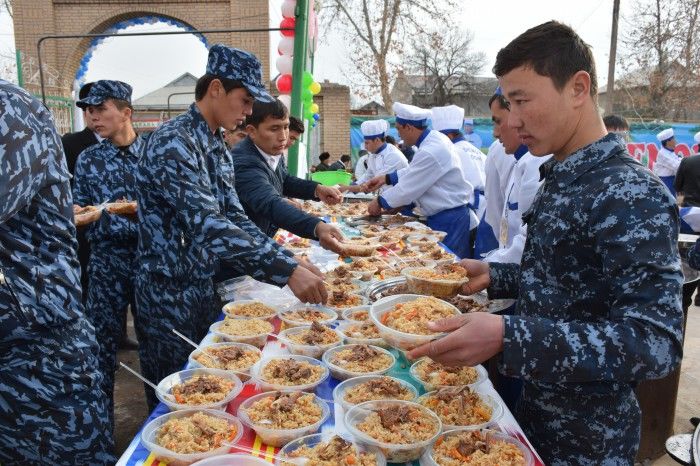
x=7 y=6
x=448 y=65
x=376 y=32
x=662 y=61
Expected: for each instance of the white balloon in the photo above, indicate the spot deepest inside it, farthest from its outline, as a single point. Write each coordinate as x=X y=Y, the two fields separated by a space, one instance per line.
x=288 y=7
x=286 y=99
x=286 y=46
x=284 y=64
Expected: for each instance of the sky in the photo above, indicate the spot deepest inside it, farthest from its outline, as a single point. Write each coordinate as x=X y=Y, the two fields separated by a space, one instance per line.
x=148 y=64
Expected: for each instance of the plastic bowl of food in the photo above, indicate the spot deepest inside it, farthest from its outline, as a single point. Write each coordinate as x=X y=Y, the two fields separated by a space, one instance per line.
x=443 y=281
x=235 y=357
x=372 y=388
x=432 y=375
x=305 y=314
x=419 y=427
x=363 y=270
x=501 y=448
x=197 y=388
x=289 y=373
x=339 y=300
x=311 y=446
x=462 y=407
x=308 y=412
x=175 y=438
x=409 y=329
x=361 y=333
x=356 y=314
x=307 y=341
x=359 y=247
x=348 y=361
x=250 y=331
x=433 y=237
x=249 y=309
x=233 y=459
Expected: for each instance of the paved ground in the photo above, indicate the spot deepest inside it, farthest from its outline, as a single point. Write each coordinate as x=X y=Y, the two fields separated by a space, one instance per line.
x=130 y=406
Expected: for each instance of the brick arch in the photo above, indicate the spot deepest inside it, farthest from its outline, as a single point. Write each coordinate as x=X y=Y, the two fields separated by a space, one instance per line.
x=111 y=18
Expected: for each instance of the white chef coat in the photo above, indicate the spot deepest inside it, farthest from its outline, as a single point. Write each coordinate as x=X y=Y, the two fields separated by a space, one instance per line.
x=388 y=159
x=473 y=169
x=522 y=186
x=499 y=166
x=666 y=163
x=434 y=180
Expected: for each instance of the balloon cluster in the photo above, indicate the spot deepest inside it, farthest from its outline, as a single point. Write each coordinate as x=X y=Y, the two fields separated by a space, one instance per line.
x=285 y=61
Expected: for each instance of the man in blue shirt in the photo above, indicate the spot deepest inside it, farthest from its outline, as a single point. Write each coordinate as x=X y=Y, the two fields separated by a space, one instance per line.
x=599 y=286
x=52 y=410
x=106 y=172
x=191 y=222
x=262 y=180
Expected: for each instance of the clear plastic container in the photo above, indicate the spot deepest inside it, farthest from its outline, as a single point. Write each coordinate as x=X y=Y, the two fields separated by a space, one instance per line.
x=359 y=250
x=432 y=286
x=233 y=459
x=341 y=388
x=314 y=439
x=332 y=316
x=347 y=313
x=350 y=340
x=313 y=350
x=361 y=299
x=279 y=437
x=482 y=375
x=165 y=387
x=258 y=340
x=497 y=411
x=256 y=373
x=364 y=275
x=489 y=436
x=150 y=431
x=395 y=452
x=396 y=339
x=433 y=237
x=229 y=309
x=194 y=363
x=343 y=374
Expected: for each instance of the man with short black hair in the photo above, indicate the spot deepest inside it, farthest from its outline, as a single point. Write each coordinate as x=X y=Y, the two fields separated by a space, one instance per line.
x=323 y=165
x=616 y=124
x=344 y=163
x=234 y=136
x=191 y=220
x=296 y=129
x=106 y=172
x=599 y=285
x=262 y=180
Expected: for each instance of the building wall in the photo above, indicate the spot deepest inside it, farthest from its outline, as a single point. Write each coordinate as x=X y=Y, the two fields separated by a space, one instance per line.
x=36 y=18
x=334 y=106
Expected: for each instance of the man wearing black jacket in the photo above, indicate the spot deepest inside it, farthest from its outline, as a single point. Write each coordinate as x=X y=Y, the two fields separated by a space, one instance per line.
x=262 y=180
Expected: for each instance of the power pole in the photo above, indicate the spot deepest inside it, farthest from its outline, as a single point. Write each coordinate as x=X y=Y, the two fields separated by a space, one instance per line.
x=611 y=62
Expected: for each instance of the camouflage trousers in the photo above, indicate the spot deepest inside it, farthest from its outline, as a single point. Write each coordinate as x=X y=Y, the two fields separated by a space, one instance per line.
x=583 y=429
x=52 y=409
x=163 y=305
x=111 y=273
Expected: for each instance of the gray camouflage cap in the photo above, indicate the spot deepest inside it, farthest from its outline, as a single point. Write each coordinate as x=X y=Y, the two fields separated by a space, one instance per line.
x=103 y=90
x=238 y=65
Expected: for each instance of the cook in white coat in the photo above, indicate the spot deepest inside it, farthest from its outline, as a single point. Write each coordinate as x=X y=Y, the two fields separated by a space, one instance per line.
x=523 y=183
x=383 y=158
x=667 y=161
x=434 y=180
x=448 y=120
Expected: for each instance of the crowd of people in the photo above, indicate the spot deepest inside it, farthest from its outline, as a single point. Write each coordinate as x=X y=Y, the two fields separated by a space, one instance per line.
x=556 y=215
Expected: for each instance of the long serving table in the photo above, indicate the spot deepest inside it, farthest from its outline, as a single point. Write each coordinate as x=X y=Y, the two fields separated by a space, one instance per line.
x=137 y=455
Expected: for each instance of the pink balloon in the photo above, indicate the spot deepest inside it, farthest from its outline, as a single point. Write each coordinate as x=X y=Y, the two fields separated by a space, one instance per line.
x=286 y=46
x=288 y=7
x=284 y=64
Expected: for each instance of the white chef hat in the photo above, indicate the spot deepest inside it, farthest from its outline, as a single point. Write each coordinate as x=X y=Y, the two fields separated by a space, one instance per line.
x=372 y=129
x=470 y=121
x=665 y=135
x=447 y=118
x=410 y=114
x=697 y=137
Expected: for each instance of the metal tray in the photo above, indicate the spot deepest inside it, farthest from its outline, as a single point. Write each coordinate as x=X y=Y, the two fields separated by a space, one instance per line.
x=377 y=290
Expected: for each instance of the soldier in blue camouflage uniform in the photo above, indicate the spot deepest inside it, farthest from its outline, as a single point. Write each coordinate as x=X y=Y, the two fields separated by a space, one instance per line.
x=191 y=221
x=107 y=172
x=52 y=410
x=599 y=286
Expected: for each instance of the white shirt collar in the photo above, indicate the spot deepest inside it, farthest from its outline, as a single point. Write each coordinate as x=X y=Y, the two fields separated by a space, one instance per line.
x=272 y=160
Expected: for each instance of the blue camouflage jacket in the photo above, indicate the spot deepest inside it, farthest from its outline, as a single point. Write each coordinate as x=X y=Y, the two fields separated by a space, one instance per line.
x=261 y=191
x=39 y=282
x=104 y=173
x=190 y=218
x=599 y=286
